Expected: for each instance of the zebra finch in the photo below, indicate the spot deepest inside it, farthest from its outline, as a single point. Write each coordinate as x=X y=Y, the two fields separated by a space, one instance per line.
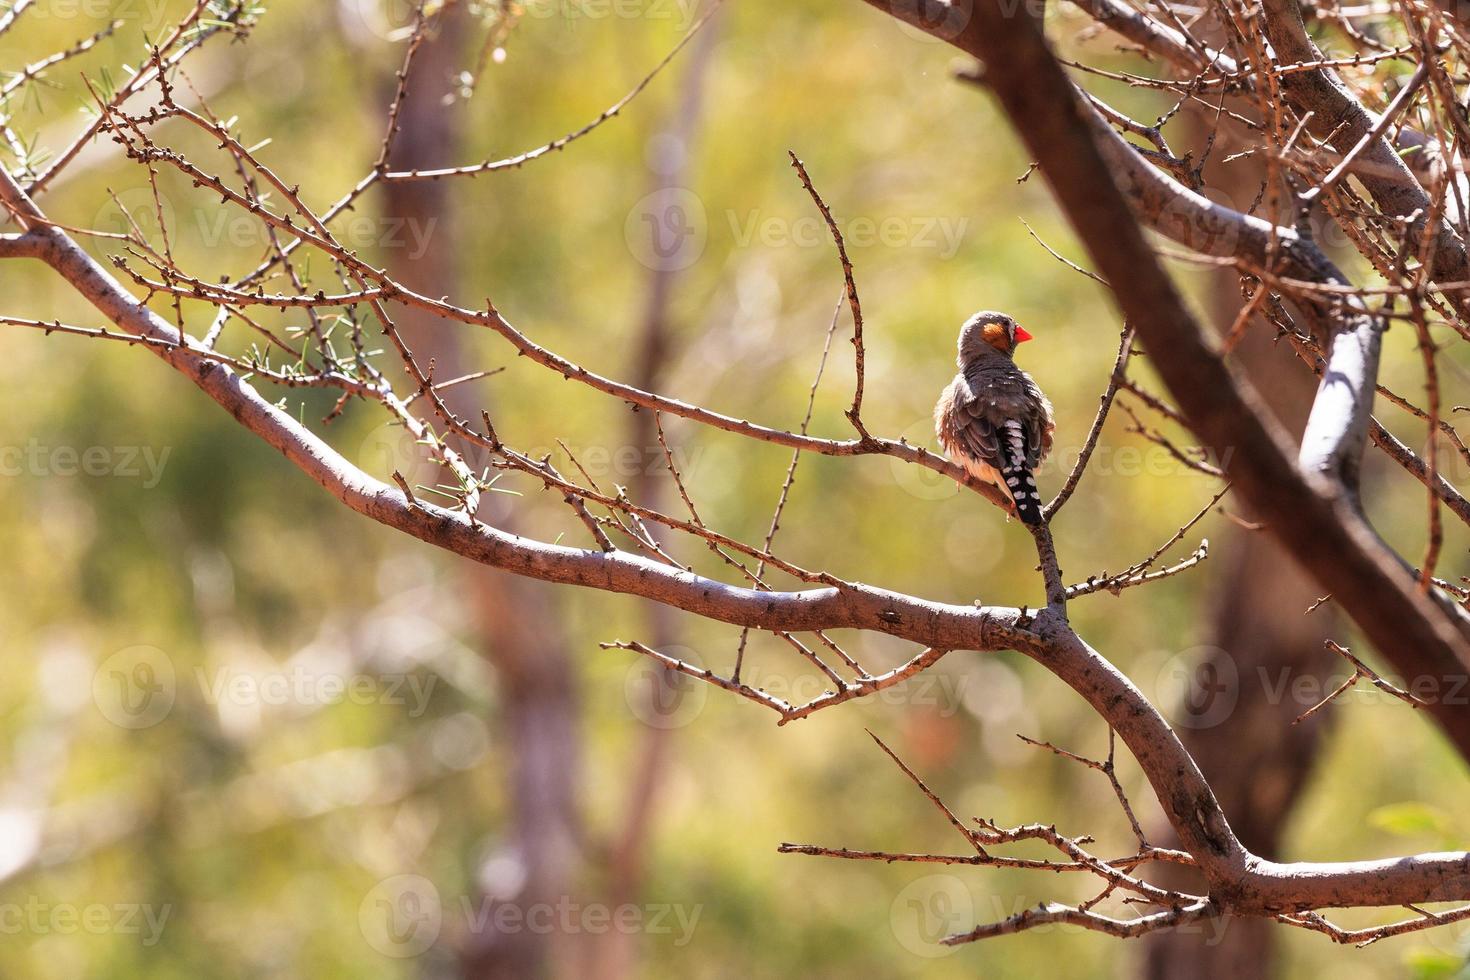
x=993 y=419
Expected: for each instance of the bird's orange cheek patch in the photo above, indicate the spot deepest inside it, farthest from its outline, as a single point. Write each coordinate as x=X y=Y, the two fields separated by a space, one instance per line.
x=995 y=335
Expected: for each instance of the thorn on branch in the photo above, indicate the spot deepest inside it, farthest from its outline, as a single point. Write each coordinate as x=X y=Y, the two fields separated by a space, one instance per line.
x=407 y=490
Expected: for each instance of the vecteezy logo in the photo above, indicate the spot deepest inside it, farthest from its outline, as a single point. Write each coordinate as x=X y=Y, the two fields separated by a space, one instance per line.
x=940 y=20
x=388 y=447
x=135 y=211
x=928 y=910
x=920 y=481
x=664 y=698
x=667 y=229
x=135 y=688
x=401 y=916
x=1198 y=687
x=391 y=20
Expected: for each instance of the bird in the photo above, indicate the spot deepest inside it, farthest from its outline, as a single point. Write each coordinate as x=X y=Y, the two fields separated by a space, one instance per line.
x=993 y=419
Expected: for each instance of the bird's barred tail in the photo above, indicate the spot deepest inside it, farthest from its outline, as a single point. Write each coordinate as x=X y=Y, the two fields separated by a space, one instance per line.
x=1019 y=480
x=1022 y=486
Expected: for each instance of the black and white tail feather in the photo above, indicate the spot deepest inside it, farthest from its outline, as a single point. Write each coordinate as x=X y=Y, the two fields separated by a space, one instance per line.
x=1016 y=472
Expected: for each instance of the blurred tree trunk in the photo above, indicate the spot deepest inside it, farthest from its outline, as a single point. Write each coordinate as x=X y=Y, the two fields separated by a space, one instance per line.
x=1262 y=639
x=516 y=618
x=670 y=153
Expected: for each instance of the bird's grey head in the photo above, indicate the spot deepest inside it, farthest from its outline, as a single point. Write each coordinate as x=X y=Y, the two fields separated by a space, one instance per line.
x=989 y=334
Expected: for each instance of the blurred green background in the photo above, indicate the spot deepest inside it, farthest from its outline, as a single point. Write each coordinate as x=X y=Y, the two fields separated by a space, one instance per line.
x=322 y=716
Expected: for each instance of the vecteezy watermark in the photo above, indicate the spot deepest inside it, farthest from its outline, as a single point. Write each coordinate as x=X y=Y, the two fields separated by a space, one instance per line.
x=661 y=697
x=665 y=698
x=137 y=211
x=935 y=907
x=1128 y=461
x=389 y=447
x=148 y=13
x=300 y=687
x=929 y=909
x=224 y=226
x=1132 y=461
x=921 y=481
x=1202 y=686
x=403 y=916
x=1452 y=941
x=1285 y=684
x=680 y=12
x=945 y=20
x=37 y=917
x=36 y=458
x=939 y=21
x=667 y=230
x=134 y=211
x=136 y=688
x=568 y=917
x=1198 y=687
x=389 y=20
x=940 y=692
x=943 y=234
x=624 y=461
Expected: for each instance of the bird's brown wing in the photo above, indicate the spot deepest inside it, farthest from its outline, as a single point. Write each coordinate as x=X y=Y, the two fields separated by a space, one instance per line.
x=1039 y=422
x=1038 y=439
x=979 y=432
x=969 y=430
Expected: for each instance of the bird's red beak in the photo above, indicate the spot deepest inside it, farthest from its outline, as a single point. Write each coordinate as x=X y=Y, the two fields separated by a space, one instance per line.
x=1021 y=335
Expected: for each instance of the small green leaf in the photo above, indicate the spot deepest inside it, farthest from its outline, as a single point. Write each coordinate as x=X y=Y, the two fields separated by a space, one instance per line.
x=1432 y=964
x=1410 y=819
